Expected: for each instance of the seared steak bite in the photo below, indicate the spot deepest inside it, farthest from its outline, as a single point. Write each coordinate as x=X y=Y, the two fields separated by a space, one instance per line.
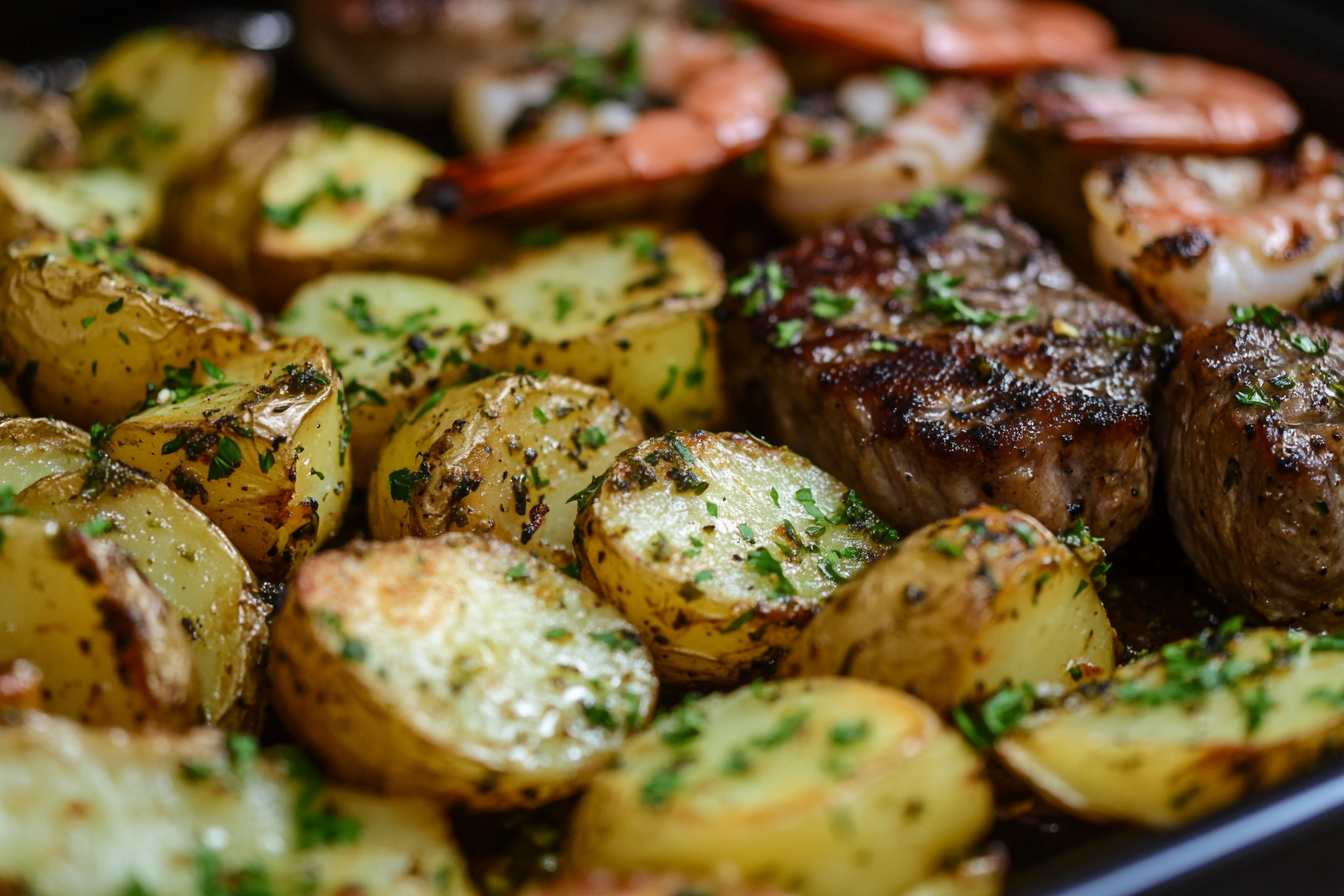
x=940 y=357
x=1252 y=430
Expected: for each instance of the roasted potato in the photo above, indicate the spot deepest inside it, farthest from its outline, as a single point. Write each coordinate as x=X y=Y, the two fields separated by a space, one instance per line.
x=101 y=200
x=37 y=129
x=486 y=456
x=1189 y=730
x=293 y=200
x=460 y=668
x=112 y=650
x=260 y=442
x=963 y=606
x=10 y=403
x=166 y=102
x=103 y=813
x=196 y=569
x=809 y=784
x=600 y=883
x=719 y=548
x=627 y=309
x=394 y=338
x=86 y=322
x=33 y=447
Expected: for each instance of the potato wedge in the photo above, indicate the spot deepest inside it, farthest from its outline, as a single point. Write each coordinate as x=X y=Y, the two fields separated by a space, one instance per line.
x=627 y=309
x=719 y=548
x=10 y=403
x=196 y=569
x=487 y=456
x=166 y=102
x=1190 y=730
x=394 y=338
x=102 y=813
x=111 y=646
x=260 y=443
x=101 y=200
x=334 y=182
x=963 y=606
x=33 y=447
x=37 y=129
x=807 y=784
x=460 y=668
x=86 y=322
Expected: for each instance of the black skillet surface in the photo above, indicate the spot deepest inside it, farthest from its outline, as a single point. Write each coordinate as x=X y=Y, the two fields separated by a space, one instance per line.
x=1287 y=840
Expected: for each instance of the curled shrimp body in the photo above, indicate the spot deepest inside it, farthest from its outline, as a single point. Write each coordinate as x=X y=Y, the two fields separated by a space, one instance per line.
x=1153 y=102
x=1186 y=238
x=877 y=138
x=991 y=37
x=680 y=103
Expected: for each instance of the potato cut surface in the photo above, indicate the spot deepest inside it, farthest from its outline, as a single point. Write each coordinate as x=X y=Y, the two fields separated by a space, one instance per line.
x=103 y=200
x=818 y=786
x=164 y=102
x=627 y=309
x=502 y=456
x=202 y=812
x=719 y=548
x=964 y=606
x=191 y=563
x=260 y=445
x=88 y=322
x=1179 y=734
x=33 y=447
x=394 y=338
x=458 y=667
x=109 y=647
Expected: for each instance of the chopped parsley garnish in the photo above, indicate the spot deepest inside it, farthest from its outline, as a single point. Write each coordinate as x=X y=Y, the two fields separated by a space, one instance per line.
x=1253 y=396
x=763 y=563
x=828 y=304
x=516 y=573
x=998 y=715
x=400 y=482
x=540 y=415
x=7 y=506
x=847 y=734
x=1077 y=536
x=786 y=332
x=907 y=85
x=556 y=634
x=541 y=237
x=941 y=298
x=703 y=576
x=666 y=389
x=592 y=437
x=287 y=217
x=267 y=460
x=711 y=508
x=881 y=345
x=429 y=404
x=740 y=621
x=947 y=548
x=564 y=304
x=1265 y=315
x=99 y=525
x=782 y=732
x=745 y=531
x=228 y=457
x=969 y=200
x=624 y=640
x=1307 y=345
x=804 y=497
x=761 y=286
x=659 y=789
x=684 y=724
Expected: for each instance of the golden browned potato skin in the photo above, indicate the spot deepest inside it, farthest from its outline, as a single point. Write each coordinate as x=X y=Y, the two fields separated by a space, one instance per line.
x=212 y=591
x=403 y=666
x=961 y=607
x=10 y=404
x=34 y=447
x=113 y=649
x=82 y=340
x=281 y=410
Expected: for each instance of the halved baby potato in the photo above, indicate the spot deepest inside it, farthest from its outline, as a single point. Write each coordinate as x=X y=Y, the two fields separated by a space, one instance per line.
x=628 y=309
x=720 y=548
x=33 y=447
x=87 y=321
x=103 y=812
x=963 y=606
x=101 y=200
x=460 y=668
x=36 y=127
x=818 y=786
x=110 y=647
x=298 y=199
x=212 y=592
x=260 y=442
x=1189 y=730
x=394 y=338
x=502 y=456
x=166 y=102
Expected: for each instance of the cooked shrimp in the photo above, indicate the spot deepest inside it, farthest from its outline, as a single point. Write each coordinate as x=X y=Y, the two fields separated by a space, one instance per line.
x=992 y=37
x=1158 y=103
x=1186 y=238
x=878 y=138
x=673 y=103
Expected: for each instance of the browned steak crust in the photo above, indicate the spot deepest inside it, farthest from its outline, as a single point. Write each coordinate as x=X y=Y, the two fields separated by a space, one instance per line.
x=1252 y=431
x=967 y=365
